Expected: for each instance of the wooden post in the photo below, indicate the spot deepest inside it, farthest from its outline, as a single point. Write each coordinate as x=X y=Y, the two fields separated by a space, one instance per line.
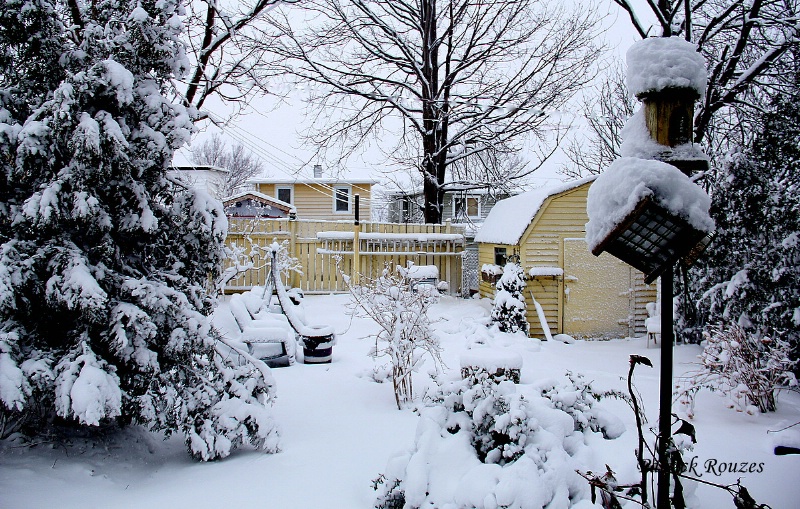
x=356 y=244
x=448 y=228
x=669 y=116
x=294 y=277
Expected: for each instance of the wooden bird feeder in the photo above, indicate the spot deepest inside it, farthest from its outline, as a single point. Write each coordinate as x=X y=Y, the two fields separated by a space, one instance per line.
x=651 y=239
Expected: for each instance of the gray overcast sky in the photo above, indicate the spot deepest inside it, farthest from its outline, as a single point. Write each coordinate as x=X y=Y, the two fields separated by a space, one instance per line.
x=271 y=130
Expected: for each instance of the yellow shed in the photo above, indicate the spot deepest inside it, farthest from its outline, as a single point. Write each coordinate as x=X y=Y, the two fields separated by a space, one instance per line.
x=579 y=294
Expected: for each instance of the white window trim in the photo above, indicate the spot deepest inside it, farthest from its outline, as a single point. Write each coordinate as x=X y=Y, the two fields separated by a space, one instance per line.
x=467 y=197
x=349 y=200
x=291 y=193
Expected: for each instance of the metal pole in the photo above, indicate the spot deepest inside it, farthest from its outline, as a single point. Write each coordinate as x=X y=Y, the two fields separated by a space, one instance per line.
x=665 y=389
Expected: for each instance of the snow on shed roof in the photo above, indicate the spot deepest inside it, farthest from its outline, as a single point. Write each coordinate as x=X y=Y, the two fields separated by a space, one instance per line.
x=509 y=218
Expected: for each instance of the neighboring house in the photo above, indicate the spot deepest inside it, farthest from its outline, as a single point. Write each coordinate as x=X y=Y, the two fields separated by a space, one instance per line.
x=468 y=207
x=207 y=178
x=580 y=294
x=460 y=206
x=257 y=205
x=320 y=197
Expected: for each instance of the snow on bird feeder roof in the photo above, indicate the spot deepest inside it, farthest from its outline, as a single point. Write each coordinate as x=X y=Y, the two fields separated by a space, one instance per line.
x=646 y=213
x=657 y=64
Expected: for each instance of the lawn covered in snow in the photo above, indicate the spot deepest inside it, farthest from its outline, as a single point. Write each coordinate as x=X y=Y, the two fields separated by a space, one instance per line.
x=340 y=427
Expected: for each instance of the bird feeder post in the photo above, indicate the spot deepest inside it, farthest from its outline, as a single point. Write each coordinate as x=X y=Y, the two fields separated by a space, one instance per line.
x=653 y=230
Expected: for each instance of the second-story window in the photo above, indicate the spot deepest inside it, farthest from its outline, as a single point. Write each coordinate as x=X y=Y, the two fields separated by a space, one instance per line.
x=341 y=199
x=284 y=194
x=466 y=206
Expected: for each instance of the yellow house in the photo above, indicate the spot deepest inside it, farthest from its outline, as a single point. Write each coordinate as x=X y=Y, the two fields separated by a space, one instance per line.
x=325 y=198
x=579 y=294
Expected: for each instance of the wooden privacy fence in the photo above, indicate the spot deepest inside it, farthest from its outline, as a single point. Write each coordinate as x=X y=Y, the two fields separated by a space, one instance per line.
x=359 y=249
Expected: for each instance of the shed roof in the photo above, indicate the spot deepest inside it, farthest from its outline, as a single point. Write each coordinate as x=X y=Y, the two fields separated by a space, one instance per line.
x=259 y=197
x=509 y=218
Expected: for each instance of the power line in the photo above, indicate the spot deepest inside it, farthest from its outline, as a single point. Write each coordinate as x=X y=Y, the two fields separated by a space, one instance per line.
x=240 y=135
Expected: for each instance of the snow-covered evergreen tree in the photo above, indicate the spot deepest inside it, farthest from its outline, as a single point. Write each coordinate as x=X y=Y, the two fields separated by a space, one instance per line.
x=509 y=302
x=105 y=265
x=752 y=275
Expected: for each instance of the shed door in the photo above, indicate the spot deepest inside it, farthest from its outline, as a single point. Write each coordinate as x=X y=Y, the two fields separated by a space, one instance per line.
x=597 y=293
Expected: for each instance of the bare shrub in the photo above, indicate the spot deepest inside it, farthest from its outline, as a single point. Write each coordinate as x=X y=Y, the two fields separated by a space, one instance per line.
x=747 y=369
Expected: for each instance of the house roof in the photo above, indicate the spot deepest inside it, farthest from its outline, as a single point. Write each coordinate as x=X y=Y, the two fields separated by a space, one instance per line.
x=418 y=191
x=509 y=218
x=260 y=197
x=200 y=167
x=311 y=181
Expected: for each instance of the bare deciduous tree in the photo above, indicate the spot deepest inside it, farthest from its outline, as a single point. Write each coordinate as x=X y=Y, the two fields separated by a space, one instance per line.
x=459 y=77
x=745 y=42
x=240 y=163
x=605 y=111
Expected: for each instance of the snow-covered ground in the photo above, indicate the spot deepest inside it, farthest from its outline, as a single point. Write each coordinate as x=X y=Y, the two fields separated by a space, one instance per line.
x=339 y=428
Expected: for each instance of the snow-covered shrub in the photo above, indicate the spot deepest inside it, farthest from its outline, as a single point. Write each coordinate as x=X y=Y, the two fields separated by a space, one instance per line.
x=509 y=306
x=106 y=263
x=405 y=334
x=249 y=255
x=747 y=369
x=481 y=444
x=576 y=397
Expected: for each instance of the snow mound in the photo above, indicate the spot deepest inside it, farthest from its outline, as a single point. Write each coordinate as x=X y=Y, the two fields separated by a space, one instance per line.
x=487 y=445
x=491 y=359
x=660 y=63
x=627 y=181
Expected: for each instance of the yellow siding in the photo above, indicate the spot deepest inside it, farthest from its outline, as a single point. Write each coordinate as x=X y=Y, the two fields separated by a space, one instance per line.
x=315 y=201
x=605 y=298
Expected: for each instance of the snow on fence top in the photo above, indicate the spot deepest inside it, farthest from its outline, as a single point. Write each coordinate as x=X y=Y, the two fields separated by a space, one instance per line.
x=659 y=63
x=628 y=180
x=419 y=237
x=509 y=218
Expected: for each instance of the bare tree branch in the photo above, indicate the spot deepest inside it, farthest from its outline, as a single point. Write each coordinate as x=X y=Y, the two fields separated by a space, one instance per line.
x=462 y=77
x=225 y=61
x=239 y=162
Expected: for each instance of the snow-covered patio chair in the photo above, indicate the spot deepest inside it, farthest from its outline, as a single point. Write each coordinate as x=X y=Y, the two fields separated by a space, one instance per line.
x=267 y=336
x=652 y=323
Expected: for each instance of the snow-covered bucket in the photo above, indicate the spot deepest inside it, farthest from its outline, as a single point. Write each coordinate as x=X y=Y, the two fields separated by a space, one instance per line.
x=318 y=341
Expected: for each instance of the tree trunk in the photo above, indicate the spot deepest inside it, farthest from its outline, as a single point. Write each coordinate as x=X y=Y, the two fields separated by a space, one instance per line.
x=433 y=194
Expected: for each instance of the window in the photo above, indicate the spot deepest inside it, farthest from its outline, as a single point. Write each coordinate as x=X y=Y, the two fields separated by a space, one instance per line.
x=466 y=206
x=284 y=194
x=500 y=256
x=341 y=199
